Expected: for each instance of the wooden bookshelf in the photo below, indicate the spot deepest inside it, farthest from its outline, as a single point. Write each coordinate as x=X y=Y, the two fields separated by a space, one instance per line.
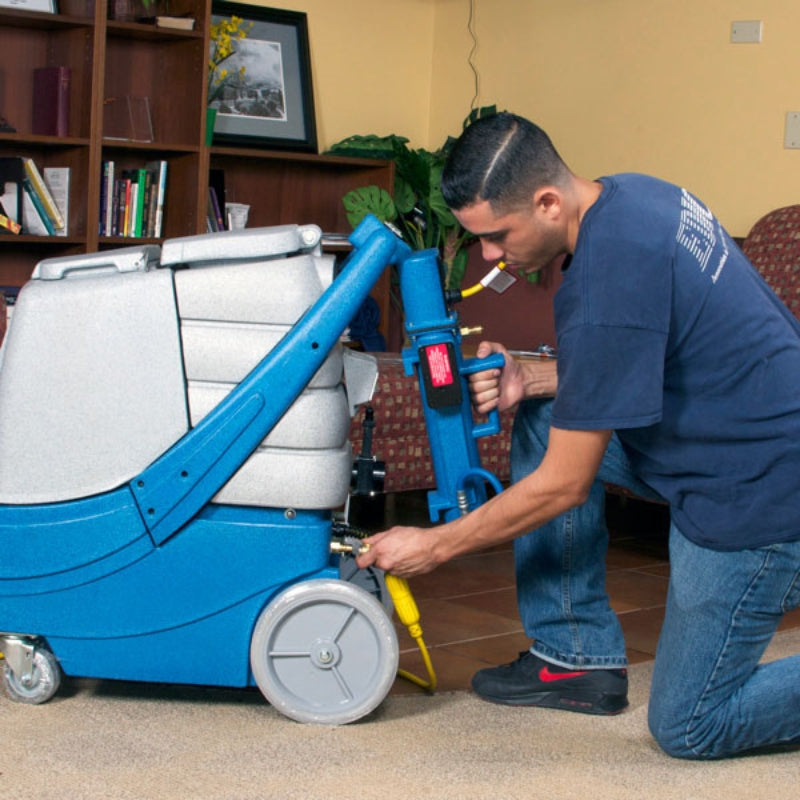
x=112 y=59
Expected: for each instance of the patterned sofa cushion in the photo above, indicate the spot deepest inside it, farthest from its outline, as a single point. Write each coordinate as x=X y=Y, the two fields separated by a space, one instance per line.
x=773 y=247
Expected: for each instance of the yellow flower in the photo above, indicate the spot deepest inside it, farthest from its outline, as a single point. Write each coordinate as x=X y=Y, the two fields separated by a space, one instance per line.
x=224 y=34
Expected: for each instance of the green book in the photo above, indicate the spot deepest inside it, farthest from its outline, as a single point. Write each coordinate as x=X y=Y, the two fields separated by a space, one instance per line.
x=141 y=181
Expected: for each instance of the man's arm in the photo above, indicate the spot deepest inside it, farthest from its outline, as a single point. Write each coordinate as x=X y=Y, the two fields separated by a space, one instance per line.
x=562 y=481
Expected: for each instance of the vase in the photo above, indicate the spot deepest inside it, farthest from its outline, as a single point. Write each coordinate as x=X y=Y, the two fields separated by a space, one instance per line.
x=211 y=119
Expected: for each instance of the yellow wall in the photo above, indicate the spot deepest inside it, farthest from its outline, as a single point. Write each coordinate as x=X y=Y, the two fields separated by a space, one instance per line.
x=371 y=65
x=621 y=85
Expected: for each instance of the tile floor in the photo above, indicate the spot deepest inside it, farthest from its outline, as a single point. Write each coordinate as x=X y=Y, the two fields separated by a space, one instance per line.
x=468 y=607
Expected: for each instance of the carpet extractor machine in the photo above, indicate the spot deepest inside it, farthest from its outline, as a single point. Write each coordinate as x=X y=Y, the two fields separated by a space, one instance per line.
x=174 y=460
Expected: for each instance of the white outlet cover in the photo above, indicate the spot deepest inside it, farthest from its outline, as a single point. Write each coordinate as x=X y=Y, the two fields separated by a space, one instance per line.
x=791 y=139
x=746 y=31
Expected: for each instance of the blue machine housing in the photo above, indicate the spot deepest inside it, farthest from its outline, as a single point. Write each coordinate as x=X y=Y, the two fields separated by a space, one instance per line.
x=154 y=582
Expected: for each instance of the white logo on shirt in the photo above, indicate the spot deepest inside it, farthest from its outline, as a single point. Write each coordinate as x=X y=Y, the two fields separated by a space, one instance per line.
x=697 y=233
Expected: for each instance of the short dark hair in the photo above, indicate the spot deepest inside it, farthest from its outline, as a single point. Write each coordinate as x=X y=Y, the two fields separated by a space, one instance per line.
x=503 y=158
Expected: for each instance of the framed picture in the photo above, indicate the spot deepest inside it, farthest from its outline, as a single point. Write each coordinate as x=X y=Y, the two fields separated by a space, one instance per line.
x=261 y=84
x=48 y=6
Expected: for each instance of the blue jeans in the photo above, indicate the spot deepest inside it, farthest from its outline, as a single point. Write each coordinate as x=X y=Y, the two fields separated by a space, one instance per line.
x=709 y=696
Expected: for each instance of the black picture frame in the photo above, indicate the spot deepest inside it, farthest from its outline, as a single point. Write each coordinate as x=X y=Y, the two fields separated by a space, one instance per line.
x=45 y=6
x=276 y=46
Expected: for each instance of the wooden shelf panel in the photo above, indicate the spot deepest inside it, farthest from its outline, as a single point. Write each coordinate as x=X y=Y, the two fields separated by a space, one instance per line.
x=296 y=188
x=160 y=60
x=35 y=20
x=25 y=49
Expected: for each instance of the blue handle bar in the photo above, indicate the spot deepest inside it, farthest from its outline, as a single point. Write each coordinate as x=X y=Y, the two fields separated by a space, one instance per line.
x=469 y=367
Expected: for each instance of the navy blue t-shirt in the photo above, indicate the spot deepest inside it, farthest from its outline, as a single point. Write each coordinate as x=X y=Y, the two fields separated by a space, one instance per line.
x=669 y=336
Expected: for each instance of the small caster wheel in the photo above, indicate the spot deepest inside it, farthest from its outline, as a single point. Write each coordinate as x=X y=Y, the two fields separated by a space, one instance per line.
x=324 y=651
x=38 y=684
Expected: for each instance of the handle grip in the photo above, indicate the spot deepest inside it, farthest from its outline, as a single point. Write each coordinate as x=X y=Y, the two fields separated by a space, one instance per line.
x=469 y=367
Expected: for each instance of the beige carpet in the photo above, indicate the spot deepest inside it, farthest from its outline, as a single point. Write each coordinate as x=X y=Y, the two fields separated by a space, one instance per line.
x=111 y=740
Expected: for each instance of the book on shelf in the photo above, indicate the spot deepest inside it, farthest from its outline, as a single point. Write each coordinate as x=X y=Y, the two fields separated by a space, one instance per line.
x=40 y=187
x=133 y=203
x=152 y=203
x=51 y=101
x=106 y=198
x=216 y=179
x=215 y=210
x=35 y=209
x=57 y=181
x=212 y=223
x=35 y=219
x=147 y=191
x=118 y=192
x=159 y=170
x=7 y=224
x=126 y=198
x=138 y=185
x=177 y=23
x=132 y=200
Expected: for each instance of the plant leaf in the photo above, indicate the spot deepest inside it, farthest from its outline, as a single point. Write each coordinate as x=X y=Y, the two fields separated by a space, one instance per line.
x=457 y=269
x=405 y=198
x=368 y=200
x=369 y=146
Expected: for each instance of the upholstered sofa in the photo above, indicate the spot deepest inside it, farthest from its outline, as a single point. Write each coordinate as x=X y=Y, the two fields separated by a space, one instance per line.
x=773 y=246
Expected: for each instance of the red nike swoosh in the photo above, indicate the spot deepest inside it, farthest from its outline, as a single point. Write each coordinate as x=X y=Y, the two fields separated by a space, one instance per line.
x=548 y=677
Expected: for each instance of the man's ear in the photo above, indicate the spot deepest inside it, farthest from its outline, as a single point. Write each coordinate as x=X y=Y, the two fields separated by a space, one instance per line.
x=547 y=200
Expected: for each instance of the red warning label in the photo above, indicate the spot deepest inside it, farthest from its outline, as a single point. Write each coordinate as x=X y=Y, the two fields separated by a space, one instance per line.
x=441 y=371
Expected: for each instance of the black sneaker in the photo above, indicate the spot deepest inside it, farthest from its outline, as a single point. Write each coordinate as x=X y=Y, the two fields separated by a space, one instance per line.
x=532 y=681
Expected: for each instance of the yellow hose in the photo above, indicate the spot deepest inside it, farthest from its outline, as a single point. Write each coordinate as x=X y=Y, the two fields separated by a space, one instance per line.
x=408 y=614
x=487 y=279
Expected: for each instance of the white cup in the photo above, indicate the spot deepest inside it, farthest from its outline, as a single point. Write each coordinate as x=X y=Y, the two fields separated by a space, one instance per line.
x=236 y=214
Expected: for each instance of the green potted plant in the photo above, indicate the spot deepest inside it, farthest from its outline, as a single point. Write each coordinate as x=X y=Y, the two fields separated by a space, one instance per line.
x=416 y=207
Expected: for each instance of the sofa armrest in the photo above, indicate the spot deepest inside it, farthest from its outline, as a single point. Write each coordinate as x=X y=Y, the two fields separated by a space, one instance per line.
x=773 y=247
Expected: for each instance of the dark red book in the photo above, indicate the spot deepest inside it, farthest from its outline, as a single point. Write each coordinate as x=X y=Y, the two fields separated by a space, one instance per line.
x=51 y=101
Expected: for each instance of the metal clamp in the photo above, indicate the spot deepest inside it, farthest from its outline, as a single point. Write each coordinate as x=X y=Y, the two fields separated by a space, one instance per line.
x=356 y=547
x=18 y=652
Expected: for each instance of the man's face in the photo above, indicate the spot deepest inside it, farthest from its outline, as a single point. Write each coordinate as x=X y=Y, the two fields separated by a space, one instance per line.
x=527 y=239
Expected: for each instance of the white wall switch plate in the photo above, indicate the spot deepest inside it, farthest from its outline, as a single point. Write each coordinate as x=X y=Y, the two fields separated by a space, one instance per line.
x=792 y=137
x=746 y=31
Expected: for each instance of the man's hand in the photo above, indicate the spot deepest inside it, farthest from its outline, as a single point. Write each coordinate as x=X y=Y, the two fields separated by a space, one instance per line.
x=496 y=388
x=402 y=551
x=516 y=381
x=563 y=480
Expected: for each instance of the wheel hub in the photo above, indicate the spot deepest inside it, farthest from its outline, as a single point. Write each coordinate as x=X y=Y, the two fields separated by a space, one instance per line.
x=325 y=654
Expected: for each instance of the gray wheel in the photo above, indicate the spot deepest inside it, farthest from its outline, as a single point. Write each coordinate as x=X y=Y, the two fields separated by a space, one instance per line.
x=45 y=678
x=324 y=651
